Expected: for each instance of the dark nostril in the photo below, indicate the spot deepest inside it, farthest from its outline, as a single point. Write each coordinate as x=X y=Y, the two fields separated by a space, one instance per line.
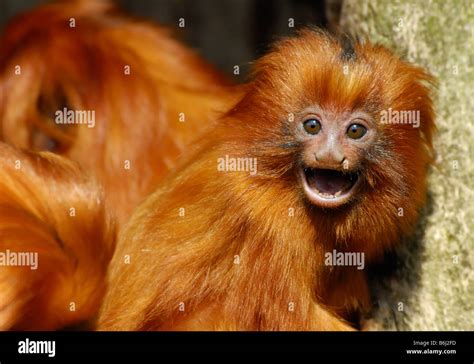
x=316 y=156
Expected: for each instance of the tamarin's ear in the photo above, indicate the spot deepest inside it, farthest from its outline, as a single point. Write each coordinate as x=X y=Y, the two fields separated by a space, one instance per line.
x=56 y=241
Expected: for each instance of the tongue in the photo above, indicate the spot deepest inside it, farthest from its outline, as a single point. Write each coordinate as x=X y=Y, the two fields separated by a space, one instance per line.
x=327 y=181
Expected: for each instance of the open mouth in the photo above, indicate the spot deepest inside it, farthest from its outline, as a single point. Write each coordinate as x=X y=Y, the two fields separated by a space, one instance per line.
x=328 y=187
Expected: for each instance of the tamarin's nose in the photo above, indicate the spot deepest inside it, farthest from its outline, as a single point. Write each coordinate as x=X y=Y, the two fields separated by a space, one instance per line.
x=330 y=154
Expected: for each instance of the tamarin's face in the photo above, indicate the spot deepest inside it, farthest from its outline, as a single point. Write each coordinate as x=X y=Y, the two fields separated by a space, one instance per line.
x=322 y=110
x=333 y=153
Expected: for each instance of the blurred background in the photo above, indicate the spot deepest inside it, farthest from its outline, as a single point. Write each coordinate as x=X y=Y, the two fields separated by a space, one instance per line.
x=225 y=32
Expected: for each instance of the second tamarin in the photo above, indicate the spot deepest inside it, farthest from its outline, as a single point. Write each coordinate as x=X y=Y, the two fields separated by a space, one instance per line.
x=341 y=137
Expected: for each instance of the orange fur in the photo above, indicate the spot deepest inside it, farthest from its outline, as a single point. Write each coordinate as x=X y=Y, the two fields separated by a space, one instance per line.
x=84 y=68
x=183 y=273
x=74 y=247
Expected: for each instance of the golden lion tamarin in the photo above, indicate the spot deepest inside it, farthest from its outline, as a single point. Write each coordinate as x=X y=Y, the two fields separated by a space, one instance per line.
x=56 y=241
x=305 y=165
x=114 y=93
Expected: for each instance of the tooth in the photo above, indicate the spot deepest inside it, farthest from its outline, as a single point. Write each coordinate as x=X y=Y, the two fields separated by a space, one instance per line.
x=338 y=193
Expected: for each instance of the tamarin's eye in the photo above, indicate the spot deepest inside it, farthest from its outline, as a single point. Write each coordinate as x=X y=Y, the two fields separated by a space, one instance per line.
x=356 y=131
x=312 y=126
